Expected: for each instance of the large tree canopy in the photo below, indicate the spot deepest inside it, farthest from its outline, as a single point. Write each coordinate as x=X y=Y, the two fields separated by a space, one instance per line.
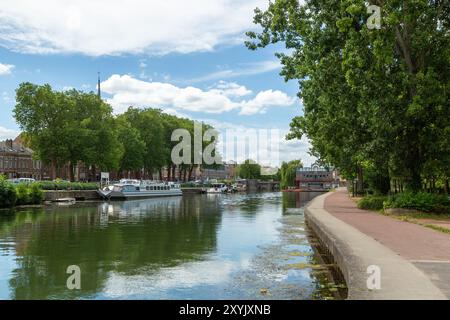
x=71 y=126
x=375 y=100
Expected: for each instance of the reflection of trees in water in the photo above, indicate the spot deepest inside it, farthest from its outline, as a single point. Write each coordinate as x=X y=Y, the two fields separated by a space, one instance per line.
x=119 y=236
x=297 y=199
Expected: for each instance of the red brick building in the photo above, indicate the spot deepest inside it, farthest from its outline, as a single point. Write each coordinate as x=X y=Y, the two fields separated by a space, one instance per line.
x=16 y=161
x=316 y=178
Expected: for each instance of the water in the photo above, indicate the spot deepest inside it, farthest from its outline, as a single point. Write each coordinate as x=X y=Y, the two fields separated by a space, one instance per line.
x=192 y=247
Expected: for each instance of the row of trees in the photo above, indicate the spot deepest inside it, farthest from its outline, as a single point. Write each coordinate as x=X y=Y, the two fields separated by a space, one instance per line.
x=376 y=102
x=71 y=126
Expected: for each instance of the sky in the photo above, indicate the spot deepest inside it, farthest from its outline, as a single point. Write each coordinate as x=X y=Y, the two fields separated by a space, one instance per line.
x=186 y=57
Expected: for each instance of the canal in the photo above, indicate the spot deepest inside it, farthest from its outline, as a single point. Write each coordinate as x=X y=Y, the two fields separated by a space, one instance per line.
x=240 y=246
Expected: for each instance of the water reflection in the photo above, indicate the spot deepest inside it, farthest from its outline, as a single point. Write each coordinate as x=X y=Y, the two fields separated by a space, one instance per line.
x=298 y=199
x=183 y=247
x=122 y=236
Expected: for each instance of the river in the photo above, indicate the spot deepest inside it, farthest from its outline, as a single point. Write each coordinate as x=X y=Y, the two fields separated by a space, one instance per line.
x=239 y=246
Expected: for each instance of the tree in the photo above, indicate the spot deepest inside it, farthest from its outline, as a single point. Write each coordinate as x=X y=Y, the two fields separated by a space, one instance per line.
x=288 y=173
x=375 y=100
x=133 y=145
x=149 y=124
x=249 y=170
x=67 y=127
x=46 y=117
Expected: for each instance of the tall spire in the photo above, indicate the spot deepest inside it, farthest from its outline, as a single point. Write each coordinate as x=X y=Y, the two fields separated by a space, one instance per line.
x=98 y=87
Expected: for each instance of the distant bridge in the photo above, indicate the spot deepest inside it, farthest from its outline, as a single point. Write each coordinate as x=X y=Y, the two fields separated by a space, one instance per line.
x=265 y=186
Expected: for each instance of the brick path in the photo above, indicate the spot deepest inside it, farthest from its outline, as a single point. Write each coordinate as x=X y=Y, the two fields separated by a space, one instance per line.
x=427 y=249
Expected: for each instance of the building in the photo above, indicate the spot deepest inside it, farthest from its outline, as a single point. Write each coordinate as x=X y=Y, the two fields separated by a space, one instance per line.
x=16 y=161
x=227 y=171
x=316 y=178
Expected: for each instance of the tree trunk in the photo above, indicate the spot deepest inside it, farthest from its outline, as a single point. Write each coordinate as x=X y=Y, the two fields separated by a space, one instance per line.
x=71 y=172
x=360 y=181
x=93 y=173
x=190 y=172
x=53 y=169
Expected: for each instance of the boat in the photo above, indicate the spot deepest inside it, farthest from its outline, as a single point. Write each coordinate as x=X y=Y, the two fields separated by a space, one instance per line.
x=239 y=187
x=217 y=188
x=65 y=200
x=135 y=189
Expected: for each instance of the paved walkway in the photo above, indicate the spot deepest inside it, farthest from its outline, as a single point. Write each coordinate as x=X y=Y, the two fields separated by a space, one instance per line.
x=427 y=249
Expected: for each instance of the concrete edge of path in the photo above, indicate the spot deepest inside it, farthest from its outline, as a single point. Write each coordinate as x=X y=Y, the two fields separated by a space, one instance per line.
x=354 y=252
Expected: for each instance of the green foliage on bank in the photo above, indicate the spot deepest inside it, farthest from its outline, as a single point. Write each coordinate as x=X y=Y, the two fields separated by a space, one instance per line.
x=249 y=170
x=64 y=185
x=372 y=202
x=375 y=102
x=8 y=196
x=288 y=173
x=21 y=194
x=422 y=201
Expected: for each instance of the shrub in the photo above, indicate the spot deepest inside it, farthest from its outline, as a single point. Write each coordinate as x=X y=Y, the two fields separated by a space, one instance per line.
x=8 y=196
x=36 y=194
x=422 y=201
x=64 y=185
x=47 y=185
x=23 y=194
x=372 y=202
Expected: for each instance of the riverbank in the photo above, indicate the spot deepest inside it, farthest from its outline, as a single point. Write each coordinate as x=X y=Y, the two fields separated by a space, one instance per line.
x=414 y=261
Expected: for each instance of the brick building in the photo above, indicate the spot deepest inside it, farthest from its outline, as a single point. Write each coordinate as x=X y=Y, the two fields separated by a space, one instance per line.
x=16 y=161
x=316 y=178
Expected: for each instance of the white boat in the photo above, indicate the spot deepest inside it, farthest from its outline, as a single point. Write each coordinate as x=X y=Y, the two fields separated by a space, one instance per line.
x=134 y=189
x=217 y=188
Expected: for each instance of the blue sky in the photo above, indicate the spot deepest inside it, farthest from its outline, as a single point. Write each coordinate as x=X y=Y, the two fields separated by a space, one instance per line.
x=192 y=63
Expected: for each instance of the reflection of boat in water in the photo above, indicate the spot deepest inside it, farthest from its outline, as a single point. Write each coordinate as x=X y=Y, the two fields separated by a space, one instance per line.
x=133 y=189
x=137 y=208
x=217 y=188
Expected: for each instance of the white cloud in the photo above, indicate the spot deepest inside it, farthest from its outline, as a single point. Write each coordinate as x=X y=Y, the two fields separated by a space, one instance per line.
x=8 y=133
x=265 y=99
x=230 y=89
x=244 y=70
x=127 y=91
x=105 y=27
x=5 y=68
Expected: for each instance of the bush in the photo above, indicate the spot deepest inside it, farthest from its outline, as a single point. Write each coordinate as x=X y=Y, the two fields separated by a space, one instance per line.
x=36 y=194
x=422 y=201
x=64 y=185
x=23 y=194
x=8 y=196
x=372 y=202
